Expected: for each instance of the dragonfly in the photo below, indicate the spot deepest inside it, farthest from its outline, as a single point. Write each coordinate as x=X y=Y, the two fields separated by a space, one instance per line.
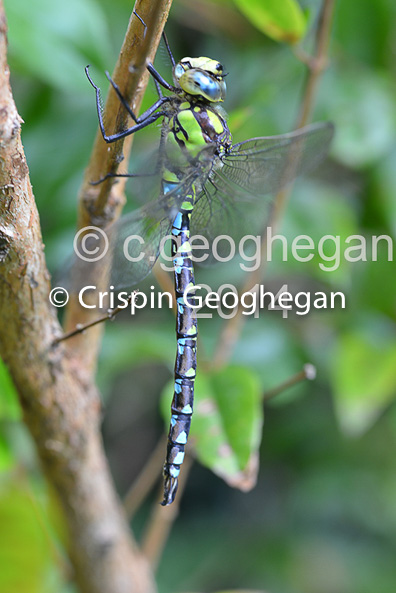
x=207 y=186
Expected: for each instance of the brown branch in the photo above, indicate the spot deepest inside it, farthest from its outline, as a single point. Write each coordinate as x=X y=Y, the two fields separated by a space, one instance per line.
x=146 y=479
x=162 y=519
x=60 y=404
x=308 y=372
x=316 y=65
x=100 y=205
x=111 y=313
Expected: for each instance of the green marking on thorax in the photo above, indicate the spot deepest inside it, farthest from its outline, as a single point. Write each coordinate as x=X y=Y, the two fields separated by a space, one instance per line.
x=195 y=141
x=216 y=122
x=169 y=176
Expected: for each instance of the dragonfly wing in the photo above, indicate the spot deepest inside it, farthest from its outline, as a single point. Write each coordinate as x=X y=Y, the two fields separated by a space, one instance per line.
x=124 y=254
x=137 y=245
x=237 y=196
x=223 y=209
x=264 y=166
x=132 y=245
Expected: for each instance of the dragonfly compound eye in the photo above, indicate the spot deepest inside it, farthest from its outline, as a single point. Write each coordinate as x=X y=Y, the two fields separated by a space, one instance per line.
x=197 y=82
x=179 y=71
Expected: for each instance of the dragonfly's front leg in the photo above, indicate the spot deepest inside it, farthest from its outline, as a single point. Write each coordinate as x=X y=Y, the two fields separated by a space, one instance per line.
x=186 y=357
x=147 y=118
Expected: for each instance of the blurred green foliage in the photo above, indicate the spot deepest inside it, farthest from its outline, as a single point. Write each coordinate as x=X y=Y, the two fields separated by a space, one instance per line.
x=322 y=518
x=283 y=21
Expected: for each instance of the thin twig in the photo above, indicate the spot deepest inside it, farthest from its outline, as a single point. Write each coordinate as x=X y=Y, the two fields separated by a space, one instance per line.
x=308 y=372
x=101 y=203
x=145 y=480
x=319 y=61
x=111 y=313
x=162 y=519
x=233 y=327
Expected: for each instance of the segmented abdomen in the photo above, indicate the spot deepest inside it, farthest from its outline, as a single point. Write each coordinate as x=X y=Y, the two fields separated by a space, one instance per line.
x=193 y=135
x=186 y=358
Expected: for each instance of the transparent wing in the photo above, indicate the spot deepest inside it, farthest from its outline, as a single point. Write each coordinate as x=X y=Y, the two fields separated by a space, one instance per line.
x=236 y=200
x=124 y=254
x=266 y=165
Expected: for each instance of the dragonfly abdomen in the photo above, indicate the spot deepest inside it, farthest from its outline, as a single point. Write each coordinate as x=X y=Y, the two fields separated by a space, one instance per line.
x=186 y=357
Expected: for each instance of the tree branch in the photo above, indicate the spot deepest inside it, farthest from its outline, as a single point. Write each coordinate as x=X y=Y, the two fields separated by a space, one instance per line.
x=308 y=372
x=101 y=205
x=145 y=481
x=60 y=404
x=162 y=518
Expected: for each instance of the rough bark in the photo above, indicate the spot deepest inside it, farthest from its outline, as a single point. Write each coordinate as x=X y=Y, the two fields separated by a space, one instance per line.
x=60 y=403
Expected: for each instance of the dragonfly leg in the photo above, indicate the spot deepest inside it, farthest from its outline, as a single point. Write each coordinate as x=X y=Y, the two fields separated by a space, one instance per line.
x=157 y=169
x=147 y=118
x=144 y=115
x=157 y=76
x=116 y=175
x=142 y=21
x=158 y=89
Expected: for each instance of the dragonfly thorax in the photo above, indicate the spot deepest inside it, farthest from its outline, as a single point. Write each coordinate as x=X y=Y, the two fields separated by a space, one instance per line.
x=201 y=77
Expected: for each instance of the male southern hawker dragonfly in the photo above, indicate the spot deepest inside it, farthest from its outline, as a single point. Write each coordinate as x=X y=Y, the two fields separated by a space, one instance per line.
x=208 y=186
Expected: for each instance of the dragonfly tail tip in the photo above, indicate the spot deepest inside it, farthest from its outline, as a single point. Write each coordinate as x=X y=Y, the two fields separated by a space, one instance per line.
x=170 y=489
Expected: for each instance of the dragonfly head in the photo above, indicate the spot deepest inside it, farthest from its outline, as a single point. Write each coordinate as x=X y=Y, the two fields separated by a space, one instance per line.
x=201 y=76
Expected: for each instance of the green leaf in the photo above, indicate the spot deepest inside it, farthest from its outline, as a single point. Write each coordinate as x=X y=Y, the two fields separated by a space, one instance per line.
x=361 y=104
x=53 y=40
x=364 y=377
x=317 y=211
x=6 y=456
x=282 y=20
x=9 y=405
x=24 y=553
x=227 y=423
